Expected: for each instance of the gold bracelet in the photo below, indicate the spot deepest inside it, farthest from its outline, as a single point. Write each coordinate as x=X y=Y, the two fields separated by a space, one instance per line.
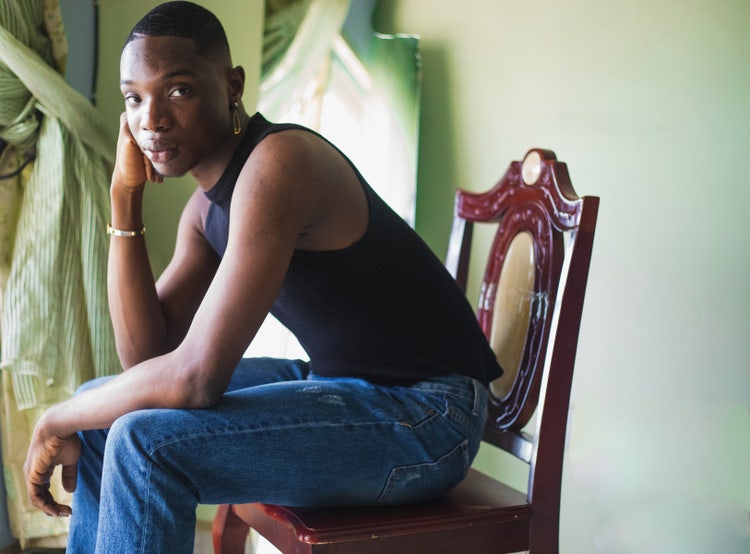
x=120 y=233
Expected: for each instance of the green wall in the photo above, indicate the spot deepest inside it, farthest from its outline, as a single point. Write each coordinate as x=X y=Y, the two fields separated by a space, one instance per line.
x=649 y=104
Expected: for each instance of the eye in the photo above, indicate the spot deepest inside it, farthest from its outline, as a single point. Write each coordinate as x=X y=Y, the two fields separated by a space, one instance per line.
x=132 y=99
x=178 y=92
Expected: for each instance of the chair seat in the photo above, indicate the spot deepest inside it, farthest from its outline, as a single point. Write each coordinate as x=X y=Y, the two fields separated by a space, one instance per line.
x=496 y=515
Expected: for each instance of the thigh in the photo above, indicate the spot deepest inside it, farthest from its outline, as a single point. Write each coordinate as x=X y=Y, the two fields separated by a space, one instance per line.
x=312 y=442
x=251 y=372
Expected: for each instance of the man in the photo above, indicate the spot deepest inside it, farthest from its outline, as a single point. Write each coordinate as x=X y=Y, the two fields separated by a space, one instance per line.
x=389 y=409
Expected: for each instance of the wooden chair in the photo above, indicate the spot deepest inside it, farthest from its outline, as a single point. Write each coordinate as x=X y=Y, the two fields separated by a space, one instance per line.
x=535 y=281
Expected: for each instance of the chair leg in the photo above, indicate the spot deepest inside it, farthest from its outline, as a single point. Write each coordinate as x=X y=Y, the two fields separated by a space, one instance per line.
x=229 y=532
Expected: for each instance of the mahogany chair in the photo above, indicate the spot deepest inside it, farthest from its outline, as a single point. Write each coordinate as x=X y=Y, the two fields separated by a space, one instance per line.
x=530 y=307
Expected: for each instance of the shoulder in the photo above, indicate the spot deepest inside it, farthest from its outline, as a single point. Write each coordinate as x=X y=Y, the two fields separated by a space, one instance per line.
x=298 y=181
x=289 y=150
x=290 y=162
x=276 y=190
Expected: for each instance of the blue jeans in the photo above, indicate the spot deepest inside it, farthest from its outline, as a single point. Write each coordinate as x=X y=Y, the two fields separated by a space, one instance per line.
x=279 y=435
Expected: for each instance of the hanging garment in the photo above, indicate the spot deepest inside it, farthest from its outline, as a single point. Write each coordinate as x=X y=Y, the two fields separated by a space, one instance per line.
x=55 y=328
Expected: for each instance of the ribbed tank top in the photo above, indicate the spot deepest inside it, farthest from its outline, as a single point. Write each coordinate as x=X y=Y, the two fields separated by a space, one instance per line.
x=384 y=309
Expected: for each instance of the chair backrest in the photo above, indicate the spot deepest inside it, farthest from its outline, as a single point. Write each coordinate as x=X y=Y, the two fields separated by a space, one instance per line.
x=530 y=305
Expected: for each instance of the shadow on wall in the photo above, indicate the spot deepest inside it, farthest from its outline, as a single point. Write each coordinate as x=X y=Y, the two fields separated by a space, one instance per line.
x=436 y=169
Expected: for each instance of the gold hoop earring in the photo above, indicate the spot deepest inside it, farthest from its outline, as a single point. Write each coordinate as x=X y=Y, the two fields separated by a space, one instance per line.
x=236 y=123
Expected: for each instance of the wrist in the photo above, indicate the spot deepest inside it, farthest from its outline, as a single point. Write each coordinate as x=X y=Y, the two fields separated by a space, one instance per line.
x=52 y=423
x=127 y=207
x=128 y=233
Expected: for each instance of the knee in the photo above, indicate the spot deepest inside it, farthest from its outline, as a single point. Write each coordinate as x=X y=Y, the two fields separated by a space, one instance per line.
x=140 y=443
x=129 y=431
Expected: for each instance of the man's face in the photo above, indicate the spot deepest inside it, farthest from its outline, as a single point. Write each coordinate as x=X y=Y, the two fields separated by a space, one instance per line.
x=177 y=102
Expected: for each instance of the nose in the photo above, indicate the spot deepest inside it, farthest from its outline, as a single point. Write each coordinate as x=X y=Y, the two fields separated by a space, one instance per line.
x=154 y=116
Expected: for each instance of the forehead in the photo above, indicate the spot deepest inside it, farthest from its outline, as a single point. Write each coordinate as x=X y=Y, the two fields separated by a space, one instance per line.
x=149 y=57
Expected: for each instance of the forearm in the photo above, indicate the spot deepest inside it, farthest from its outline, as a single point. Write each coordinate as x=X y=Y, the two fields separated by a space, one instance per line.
x=137 y=318
x=161 y=382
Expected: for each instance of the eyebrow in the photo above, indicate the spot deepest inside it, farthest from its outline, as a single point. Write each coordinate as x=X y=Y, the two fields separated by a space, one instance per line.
x=169 y=75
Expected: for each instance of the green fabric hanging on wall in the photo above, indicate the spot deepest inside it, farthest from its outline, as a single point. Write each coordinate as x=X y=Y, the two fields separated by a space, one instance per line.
x=55 y=328
x=57 y=280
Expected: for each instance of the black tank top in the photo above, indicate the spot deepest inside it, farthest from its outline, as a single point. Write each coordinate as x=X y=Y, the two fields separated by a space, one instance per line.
x=384 y=309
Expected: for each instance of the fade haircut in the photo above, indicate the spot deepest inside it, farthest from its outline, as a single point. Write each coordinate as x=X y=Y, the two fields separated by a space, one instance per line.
x=185 y=20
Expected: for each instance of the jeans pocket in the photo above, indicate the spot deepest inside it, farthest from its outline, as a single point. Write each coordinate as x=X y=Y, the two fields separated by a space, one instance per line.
x=423 y=481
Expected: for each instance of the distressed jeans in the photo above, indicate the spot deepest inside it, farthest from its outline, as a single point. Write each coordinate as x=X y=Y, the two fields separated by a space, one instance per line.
x=278 y=435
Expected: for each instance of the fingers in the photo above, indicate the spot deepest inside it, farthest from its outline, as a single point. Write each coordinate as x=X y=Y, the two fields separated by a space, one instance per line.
x=38 y=487
x=69 y=477
x=132 y=167
x=124 y=122
x=41 y=497
x=45 y=453
x=151 y=173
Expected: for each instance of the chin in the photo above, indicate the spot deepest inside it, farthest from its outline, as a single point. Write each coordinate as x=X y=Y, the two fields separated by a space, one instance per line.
x=173 y=174
x=170 y=171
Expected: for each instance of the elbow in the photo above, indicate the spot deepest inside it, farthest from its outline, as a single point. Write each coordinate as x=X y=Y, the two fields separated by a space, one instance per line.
x=127 y=356
x=202 y=397
x=133 y=349
x=130 y=355
x=199 y=387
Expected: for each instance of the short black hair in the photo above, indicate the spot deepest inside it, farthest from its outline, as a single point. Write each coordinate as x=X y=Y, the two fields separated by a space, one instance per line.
x=186 y=20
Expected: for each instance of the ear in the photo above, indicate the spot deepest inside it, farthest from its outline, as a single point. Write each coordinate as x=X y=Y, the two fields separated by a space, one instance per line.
x=236 y=82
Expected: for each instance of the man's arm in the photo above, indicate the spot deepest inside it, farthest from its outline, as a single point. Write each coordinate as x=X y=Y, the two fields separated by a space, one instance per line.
x=150 y=319
x=275 y=200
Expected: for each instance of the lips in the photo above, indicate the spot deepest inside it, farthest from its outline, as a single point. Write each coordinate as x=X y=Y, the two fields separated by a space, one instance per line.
x=160 y=156
x=159 y=151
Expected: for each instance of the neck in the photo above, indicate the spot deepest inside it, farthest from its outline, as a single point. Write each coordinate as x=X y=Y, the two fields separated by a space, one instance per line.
x=208 y=172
